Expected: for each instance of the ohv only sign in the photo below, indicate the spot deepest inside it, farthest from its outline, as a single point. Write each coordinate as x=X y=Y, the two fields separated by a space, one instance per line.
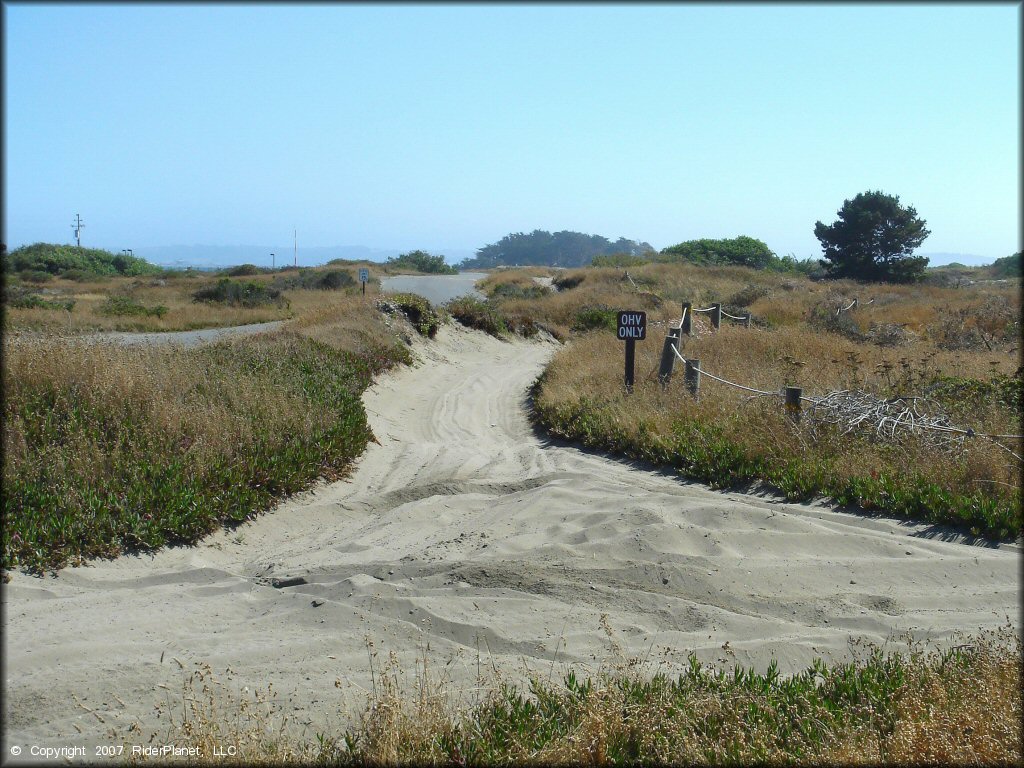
x=632 y=327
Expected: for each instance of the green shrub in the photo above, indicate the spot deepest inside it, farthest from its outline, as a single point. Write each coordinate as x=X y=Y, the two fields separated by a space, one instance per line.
x=595 y=316
x=235 y=293
x=315 y=280
x=244 y=270
x=515 y=291
x=421 y=261
x=565 y=282
x=83 y=276
x=35 y=276
x=58 y=259
x=420 y=312
x=121 y=305
x=748 y=295
x=23 y=298
x=473 y=313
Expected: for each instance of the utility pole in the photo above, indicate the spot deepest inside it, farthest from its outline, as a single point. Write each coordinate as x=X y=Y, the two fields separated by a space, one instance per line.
x=273 y=258
x=77 y=226
x=296 y=247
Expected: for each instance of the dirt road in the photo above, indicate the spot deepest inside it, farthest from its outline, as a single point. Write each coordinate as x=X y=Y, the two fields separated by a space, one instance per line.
x=465 y=538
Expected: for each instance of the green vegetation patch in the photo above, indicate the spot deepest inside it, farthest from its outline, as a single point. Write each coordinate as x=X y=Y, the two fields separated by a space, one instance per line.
x=240 y=294
x=421 y=313
x=59 y=259
x=315 y=280
x=421 y=261
x=883 y=708
x=595 y=317
x=114 y=450
x=120 y=305
x=24 y=298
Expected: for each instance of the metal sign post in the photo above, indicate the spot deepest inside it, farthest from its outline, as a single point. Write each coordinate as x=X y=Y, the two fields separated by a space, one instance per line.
x=364 y=277
x=632 y=327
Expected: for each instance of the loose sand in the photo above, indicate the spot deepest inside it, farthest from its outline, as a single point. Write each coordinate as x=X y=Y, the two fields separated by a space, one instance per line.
x=465 y=538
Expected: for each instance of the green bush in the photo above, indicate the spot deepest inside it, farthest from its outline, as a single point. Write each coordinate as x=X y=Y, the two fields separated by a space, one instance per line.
x=35 y=276
x=420 y=312
x=23 y=298
x=595 y=316
x=121 y=305
x=514 y=291
x=235 y=293
x=244 y=270
x=473 y=313
x=421 y=261
x=315 y=280
x=58 y=259
x=83 y=276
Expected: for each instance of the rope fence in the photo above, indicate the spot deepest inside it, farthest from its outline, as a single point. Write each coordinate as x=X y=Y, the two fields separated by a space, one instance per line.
x=854 y=410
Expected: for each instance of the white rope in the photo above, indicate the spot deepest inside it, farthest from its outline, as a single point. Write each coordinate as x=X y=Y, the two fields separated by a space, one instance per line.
x=707 y=309
x=726 y=314
x=725 y=381
x=844 y=309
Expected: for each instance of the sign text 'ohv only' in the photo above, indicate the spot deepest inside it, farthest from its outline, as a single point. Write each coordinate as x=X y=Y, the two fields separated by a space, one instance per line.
x=632 y=325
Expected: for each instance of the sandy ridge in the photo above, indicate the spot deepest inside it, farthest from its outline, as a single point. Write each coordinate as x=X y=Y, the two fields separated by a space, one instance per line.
x=464 y=532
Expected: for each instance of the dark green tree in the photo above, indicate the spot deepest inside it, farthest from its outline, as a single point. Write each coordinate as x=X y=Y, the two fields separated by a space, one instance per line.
x=874 y=239
x=542 y=248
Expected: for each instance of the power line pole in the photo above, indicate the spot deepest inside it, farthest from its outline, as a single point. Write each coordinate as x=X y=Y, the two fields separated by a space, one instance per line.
x=296 y=247
x=77 y=226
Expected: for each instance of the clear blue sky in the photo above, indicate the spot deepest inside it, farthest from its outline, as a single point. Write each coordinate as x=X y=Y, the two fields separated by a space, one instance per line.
x=450 y=126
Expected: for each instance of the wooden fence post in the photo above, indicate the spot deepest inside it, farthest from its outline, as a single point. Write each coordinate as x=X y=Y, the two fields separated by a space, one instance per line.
x=687 y=318
x=630 y=368
x=793 y=402
x=716 y=315
x=668 y=357
x=746 y=320
x=692 y=376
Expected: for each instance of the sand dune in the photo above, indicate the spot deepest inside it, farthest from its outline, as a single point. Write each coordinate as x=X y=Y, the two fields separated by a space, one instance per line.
x=463 y=533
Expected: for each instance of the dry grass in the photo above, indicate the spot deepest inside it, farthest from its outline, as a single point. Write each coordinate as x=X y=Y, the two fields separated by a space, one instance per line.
x=959 y=705
x=958 y=347
x=183 y=313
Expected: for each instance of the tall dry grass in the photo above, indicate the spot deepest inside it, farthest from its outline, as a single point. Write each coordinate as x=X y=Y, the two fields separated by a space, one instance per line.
x=916 y=706
x=957 y=348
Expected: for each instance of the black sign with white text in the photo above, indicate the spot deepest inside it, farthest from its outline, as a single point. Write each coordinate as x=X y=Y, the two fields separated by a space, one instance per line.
x=632 y=325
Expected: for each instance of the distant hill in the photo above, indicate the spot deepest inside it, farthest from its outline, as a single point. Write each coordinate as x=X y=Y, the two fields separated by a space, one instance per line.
x=964 y=259
x=216 y=256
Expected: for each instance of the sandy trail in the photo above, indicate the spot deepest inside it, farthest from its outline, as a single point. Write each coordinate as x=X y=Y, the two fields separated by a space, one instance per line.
x=463 y=533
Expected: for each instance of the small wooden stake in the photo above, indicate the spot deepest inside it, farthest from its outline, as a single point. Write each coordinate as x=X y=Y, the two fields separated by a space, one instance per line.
x=687 y=318
x=668 y=357
x=692 y=376
x=793 y=402
x=716 y=315
x=746 y=320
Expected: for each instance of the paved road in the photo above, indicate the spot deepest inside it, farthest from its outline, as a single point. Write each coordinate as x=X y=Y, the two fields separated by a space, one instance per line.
x=435 y=288
x=183 y=338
